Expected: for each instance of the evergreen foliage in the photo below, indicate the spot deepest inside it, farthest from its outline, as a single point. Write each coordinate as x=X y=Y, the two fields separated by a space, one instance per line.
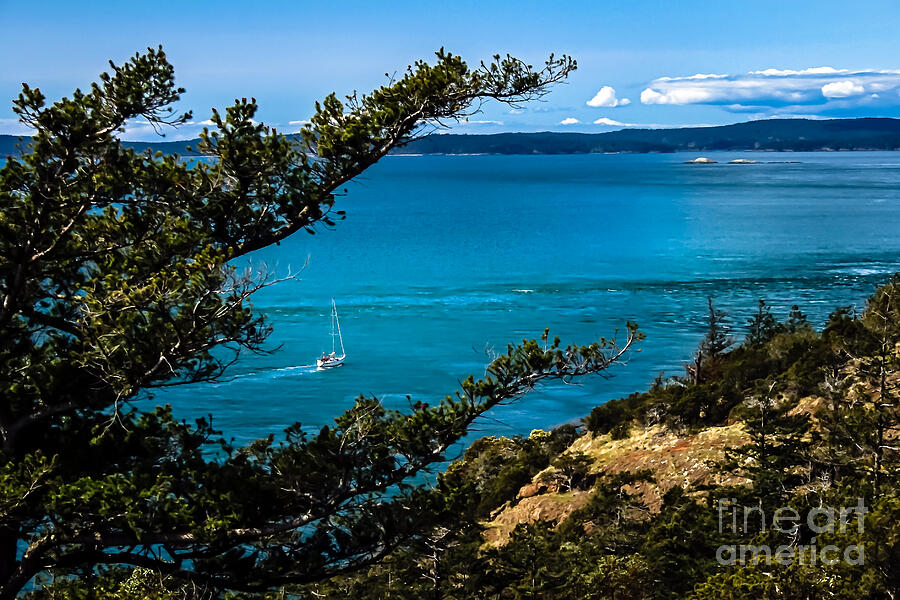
x=813 y=412
x=118 y=276
x=762 y=327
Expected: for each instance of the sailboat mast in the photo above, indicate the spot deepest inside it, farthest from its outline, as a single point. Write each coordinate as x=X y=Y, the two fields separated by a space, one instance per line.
x=338 y=323
x=333 y=314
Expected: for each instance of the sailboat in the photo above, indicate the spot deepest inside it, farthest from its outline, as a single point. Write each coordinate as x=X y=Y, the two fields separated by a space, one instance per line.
x=332 y=359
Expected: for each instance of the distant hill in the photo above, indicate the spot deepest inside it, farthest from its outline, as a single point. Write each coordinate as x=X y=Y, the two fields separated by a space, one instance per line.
x=11 y=144
x=772 y=135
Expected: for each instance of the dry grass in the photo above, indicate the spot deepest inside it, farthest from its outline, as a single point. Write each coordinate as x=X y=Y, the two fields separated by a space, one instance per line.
x=672 y=459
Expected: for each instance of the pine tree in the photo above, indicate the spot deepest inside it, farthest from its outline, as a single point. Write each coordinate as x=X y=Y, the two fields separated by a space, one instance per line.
x=714 y=343
x=117 y=276
x=778 y=447
x=862 y=420
x=796 y=320
x=572 y=467
x=878 y=417
x=717 y=338
x=762 y=327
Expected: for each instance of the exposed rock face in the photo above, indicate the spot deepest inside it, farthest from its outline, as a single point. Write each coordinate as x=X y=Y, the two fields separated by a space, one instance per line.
x=531 y=489
x=672 y=459
x=545 y=507
x=701 y=161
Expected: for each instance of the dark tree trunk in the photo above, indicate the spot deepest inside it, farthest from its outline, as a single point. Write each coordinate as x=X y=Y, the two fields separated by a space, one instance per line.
x=9 y=540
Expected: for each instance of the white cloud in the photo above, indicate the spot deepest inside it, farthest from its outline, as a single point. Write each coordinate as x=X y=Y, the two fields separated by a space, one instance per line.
x=787 y=90
x=606 y=97
x=678 y=95
x=300 y=122
x=484 y=122
x=842 y=89
x=810 y=71
x=141 y=130
x=696 y=76
x=651 y=96
x=607 y=122
x=545 y=108
x=569 y=121
x=14 y=127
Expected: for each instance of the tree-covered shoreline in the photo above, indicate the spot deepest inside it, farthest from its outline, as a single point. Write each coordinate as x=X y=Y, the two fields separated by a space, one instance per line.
x=765 y=135
x=789 y=419
x=786 y=419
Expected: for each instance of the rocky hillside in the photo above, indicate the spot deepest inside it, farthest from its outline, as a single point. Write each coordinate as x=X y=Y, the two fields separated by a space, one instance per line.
x=672 y=460
x=630 y=506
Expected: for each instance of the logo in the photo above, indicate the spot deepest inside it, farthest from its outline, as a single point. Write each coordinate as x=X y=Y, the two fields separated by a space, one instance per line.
x=751 y=520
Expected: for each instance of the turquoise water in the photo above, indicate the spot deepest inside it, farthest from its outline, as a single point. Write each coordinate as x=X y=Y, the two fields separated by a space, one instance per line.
x=441 y=259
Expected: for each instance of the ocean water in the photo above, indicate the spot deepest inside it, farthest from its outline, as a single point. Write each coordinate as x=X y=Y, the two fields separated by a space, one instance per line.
x=441 y=260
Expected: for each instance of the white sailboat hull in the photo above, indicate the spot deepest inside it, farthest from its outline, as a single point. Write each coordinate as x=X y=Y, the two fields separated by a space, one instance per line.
x=330 y=362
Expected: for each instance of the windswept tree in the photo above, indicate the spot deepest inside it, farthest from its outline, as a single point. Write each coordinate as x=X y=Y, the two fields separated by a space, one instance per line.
x=862 y=424
x=716 y=341
x=762 y=327
x=117 y=277
x=776 y=450
x=880 y=417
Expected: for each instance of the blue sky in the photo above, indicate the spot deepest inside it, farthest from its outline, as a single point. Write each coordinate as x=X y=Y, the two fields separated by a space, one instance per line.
x=638 y=60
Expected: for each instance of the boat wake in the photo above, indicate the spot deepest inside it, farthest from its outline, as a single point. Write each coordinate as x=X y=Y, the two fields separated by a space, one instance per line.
x=276 y=373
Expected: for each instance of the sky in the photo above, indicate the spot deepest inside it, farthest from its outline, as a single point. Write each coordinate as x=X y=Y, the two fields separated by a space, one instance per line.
x=640 y=63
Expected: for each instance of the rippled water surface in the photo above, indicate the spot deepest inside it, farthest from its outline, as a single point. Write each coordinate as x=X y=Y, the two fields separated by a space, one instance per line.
x=443 y=258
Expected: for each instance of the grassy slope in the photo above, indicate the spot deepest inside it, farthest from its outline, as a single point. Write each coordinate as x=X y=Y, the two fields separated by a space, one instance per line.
x=672 y=458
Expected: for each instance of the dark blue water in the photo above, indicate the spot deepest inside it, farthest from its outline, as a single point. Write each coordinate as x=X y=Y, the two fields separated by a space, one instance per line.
x=441 y=259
